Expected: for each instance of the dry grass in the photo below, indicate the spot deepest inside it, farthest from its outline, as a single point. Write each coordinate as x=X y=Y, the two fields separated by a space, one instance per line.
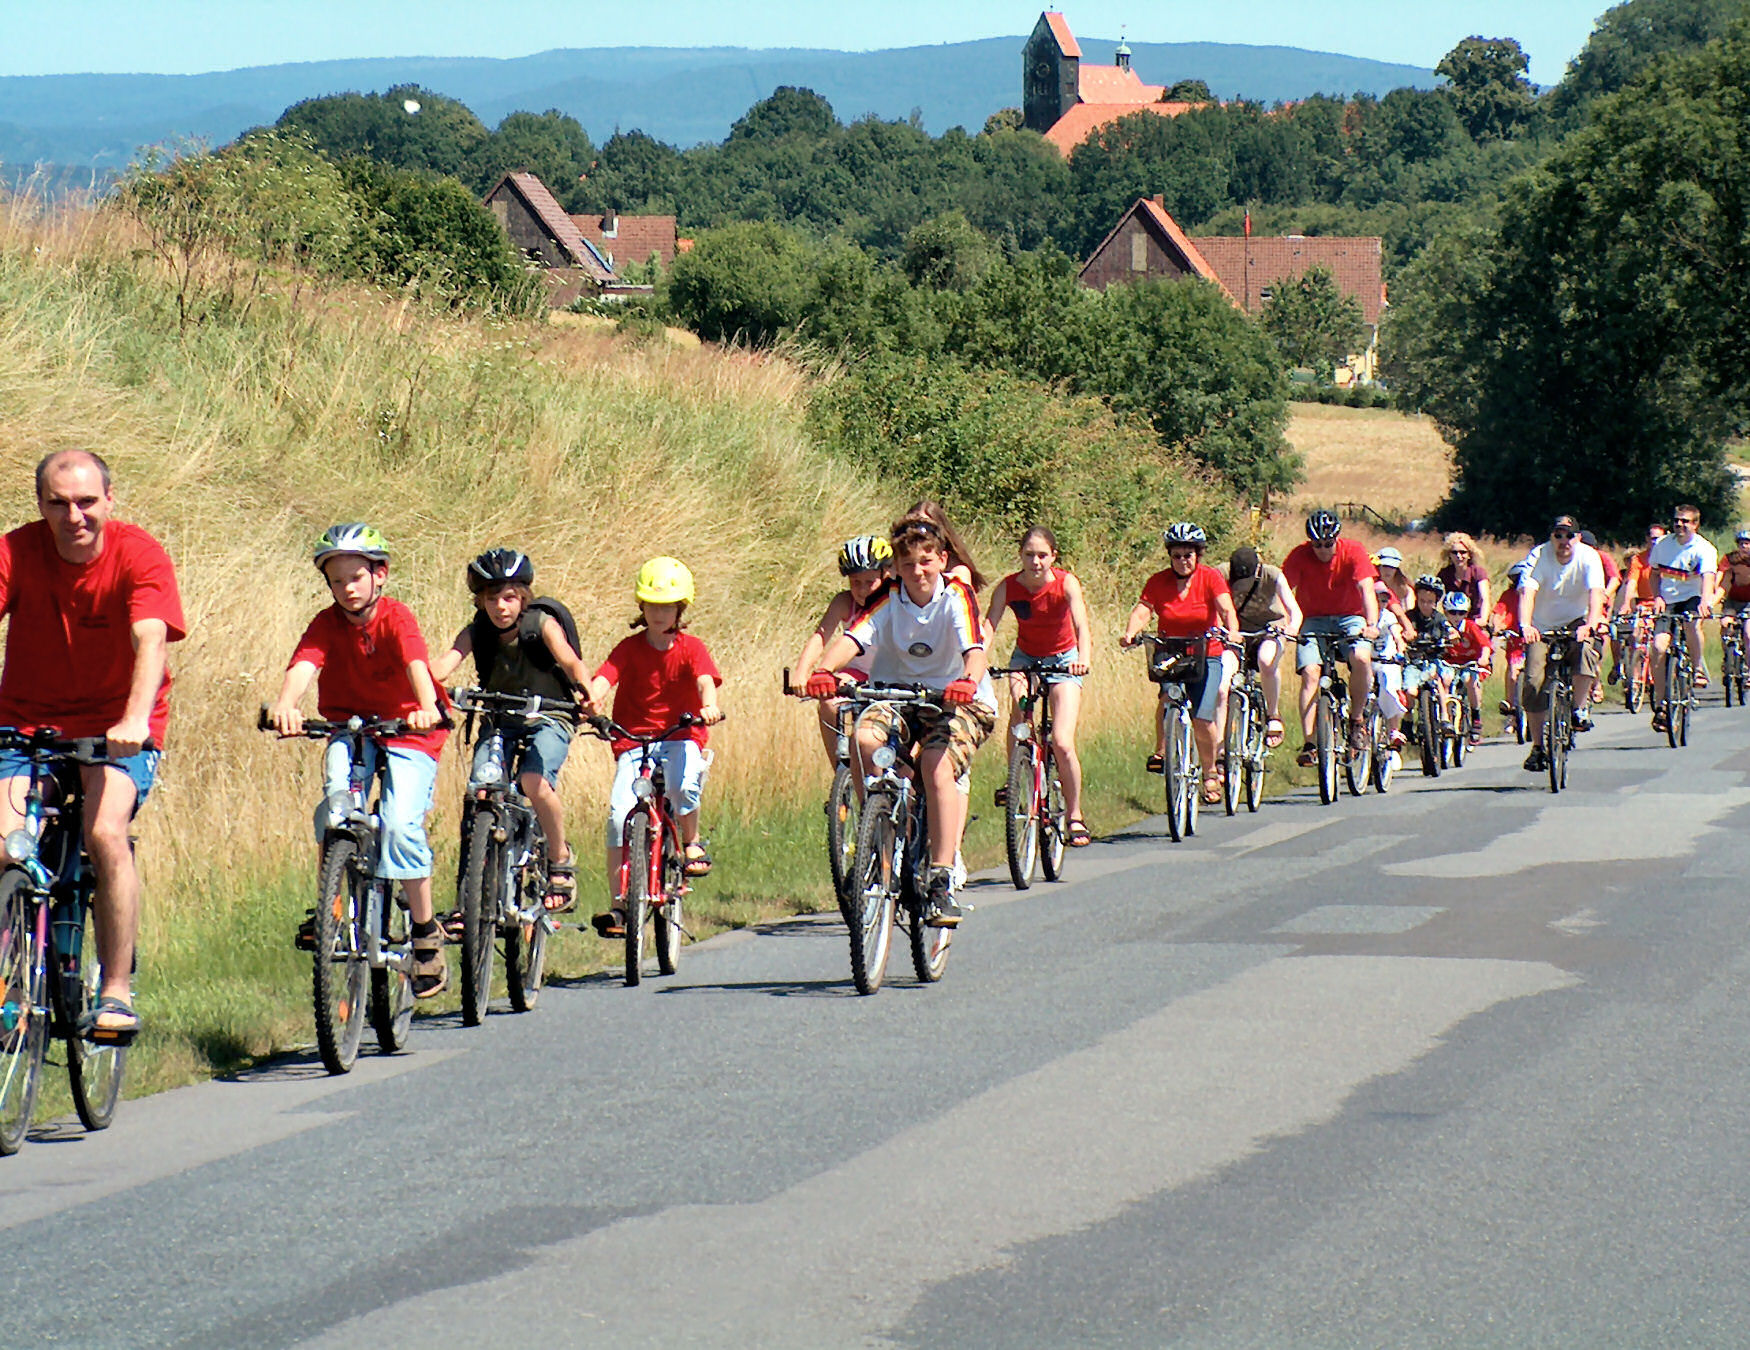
x=1394 y=462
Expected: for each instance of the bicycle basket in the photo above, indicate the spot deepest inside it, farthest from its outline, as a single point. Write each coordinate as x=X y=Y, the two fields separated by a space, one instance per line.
x=1178 y=665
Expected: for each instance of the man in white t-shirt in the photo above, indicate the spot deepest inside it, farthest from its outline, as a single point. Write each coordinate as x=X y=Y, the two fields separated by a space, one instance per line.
x=1685 y=565
x=1563 y=585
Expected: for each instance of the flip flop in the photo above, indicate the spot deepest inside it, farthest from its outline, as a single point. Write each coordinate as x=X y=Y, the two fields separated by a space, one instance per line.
x=109 y=1005
x=1075 y=833
x=1273 y=732
x=698 y=861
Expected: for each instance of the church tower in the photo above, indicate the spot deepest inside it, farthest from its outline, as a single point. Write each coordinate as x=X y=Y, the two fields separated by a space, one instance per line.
x=1050 y=73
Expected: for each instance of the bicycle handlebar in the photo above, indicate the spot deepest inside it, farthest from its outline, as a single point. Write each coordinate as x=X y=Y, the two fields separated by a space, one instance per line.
x=88 y=750
x=609 y=730
x=531 y=706
x=316 y=728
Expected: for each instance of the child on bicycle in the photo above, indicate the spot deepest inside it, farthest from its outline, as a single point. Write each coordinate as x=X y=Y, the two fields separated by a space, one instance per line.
x=1466 y=644
x=662 y=673
x=520 y=646
x=372 y=660
x=866 y=564
x=925 y=631
x=1051 y=634
x=1505 y=626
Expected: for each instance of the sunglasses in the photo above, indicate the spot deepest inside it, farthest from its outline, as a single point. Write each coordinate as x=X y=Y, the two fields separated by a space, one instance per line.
x=1182 y=554
x=1561 y=534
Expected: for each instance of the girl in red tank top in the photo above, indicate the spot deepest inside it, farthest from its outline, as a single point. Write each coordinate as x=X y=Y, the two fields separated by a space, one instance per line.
x=1052 y=634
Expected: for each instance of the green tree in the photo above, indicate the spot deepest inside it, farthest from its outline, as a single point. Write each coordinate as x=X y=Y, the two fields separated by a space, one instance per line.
x=788 y=112
x=1487 y=84
x=1626 y=40
x=1004 y=119
x=947 y=254
x=407 y=127
x=1312 y=322
x=1188 y=91
x=748 y=282
x=552 y=145
x=636 y=173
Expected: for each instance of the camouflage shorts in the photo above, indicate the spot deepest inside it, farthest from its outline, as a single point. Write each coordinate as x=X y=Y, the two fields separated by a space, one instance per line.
x=959 y=728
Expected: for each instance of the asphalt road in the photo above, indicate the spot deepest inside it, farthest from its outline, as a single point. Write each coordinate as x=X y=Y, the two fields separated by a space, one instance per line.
x=1460 y=1066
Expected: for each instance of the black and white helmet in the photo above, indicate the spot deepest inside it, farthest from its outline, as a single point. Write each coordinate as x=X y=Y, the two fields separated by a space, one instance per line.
x=497 y=566
x=1426 y=582
x=1323 y=526
x=1183 y=533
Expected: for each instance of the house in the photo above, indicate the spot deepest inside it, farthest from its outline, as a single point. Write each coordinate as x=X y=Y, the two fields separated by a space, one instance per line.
x=546 y=235
x=1148 y=245
x=1066 y=100
x=630 y=241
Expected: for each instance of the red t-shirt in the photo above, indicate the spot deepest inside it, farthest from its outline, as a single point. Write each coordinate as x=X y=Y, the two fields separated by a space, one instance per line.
x=1043 y=625
x=655 y=688
x=1329 y=590
x=364 y=669
x=70 y=649
x=1468 y=643
x=1187 y=609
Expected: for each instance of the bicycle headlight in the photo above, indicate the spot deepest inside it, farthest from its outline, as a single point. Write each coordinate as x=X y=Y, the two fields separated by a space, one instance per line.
x=644 y=788
x=489 y=773
x=20 y=846
x=339 y=806
x=883 y=756
x=1023 y=731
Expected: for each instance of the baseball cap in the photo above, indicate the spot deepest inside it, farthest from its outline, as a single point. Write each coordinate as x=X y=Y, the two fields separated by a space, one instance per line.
x=1390 y=557
x=1567 y=523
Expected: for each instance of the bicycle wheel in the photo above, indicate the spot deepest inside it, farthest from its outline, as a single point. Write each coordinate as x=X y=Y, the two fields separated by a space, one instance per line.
x=525 y=943
x=1519 y=724
x=1385 y=759
x=1053 y=822
x=1681 y=704
x=1325 y=741
x=1728 y=672
x=337 y=992
x=1193 y=769
x=1676 y=696
x=1634 y=685
x=24 y=1022
x=1173 y=775
x=391 y=1003
x=841 y=828
x=665 y=919
x=637 y=901
x=1460 y=734
x=477 y=898
x=1233 y=767
x=1428 y=731
x=929 y=946
x=875 y=884
x=1021 y=815
x=1556 y=736
x=1255 y=762
x=1358 y=764
x=94 y=1072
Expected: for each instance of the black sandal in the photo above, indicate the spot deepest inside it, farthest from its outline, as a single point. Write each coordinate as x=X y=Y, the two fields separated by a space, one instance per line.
x=90 y=1029
x=698 y=862
x=561 y=885
x=431 y=973
x=1075 y=834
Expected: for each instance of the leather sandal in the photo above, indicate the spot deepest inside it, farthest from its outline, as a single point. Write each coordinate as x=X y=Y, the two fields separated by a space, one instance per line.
x=431 y=973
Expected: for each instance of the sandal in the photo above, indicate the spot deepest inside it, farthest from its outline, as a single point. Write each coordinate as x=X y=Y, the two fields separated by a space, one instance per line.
x=610 y=925
x=1308 y=757
x=1075 y=833
x=561 y=884
x=100 y=1034
x=453 y=926
x=1211 y=789
x=1154 y=764
x=1273 y=733
x=1700 y=680
x=431 y=973
x=698 y=861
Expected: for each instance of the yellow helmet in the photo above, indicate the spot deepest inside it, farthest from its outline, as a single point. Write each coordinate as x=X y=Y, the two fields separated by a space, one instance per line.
x=664 y=581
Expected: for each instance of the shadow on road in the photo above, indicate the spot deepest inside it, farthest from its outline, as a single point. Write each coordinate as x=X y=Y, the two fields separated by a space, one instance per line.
x=772 y=988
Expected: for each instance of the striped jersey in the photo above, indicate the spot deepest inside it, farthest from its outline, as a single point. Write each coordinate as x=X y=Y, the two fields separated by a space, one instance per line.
x=926 y=644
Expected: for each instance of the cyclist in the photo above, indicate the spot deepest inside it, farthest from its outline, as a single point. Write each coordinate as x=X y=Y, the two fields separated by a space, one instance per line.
x=1187 y=600
x=1563 y=584
x=373 y=663
x=521 y=645
x=1423 y=621
x=93 y=605
x=663 y=673
x=1466 y=644
x=1504 y=624
x=1391 y=591
x=1685 y=564
x=961 y=567
x=866 y=564
x=1732 y=591
x=925 y=631
x=1333 y=578
x=1640 y=588
x=1051 y=633
x=1262 y=599
x=1465 y=570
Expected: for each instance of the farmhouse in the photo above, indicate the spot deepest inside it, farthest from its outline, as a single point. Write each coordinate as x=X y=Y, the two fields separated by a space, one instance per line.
x=630 y=241
x=549 y=237
x=1067 y=100
x=1148 y=245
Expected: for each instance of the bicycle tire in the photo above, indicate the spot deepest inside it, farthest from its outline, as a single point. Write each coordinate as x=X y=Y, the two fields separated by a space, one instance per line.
x=1556 y=736
x=94 y=1072
x=929 y=946
x=1428 y=732
x=1384 y=767
x=1173 y=779
x=23 y=1044
x=1633 y=685
x=477 y=897
x=1460 y=733
x=392 y=1000
x=1193 y=772
x=1519 y=724
x=665 y=918
x=337 y=987
x=1674 y=694
x=525 y=942
x=1233 y=751
x=841 y=828
x=875 y=893
x=1256 y=759
x=1358 y=764
x=637 y=900
x=1021 y=815
x=1324 y=742
x=1053 y=822
x=1680 y=709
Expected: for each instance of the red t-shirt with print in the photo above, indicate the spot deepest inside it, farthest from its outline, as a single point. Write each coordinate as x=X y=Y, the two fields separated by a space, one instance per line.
x=1187 y=608
x=1329 y=590
x=656 y=687
x=1468 y=643
x=363 y=668
x=70 y=646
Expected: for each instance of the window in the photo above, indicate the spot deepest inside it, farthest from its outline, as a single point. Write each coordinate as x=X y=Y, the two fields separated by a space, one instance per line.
x=1138 y=251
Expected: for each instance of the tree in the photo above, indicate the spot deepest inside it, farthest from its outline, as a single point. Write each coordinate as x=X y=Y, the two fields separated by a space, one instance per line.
x=788 y=112
x=634 y=172
x=947 y=254
x=1188 y=91
x=1004 y=119
x=407 y=127
x=747 y=282
x=1312 y=322
x=551 y=145
x=1626 y=40
x=1487 y=84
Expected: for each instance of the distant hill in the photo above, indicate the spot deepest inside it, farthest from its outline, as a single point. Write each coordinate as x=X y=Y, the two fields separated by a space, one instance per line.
x=679 y=95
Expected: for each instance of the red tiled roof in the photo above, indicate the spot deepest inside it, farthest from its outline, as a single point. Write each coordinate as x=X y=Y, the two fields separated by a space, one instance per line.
x=1115 y=84
x=1355 y=263
x=635 y=238
x=558 y=225
x=1081 y=121
x=1060 y=30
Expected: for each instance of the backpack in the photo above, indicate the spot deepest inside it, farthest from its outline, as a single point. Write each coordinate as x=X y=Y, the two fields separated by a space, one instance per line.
x=484 y=639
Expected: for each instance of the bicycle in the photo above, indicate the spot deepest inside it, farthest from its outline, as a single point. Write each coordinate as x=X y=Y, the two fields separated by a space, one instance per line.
x=652 y=881
x=1243 y=741
x=359 y=933
x=1460 y=717
x=501 y=877
x=49 y=973
x=1331 y=720
x=1385 y=759
x=1634 y=637
x=1421 y=672
x=1174 y=665
x=842 y=807
x=1558 y=725
x=890 y=869
x=1035 y=821
x=1734 y=678
x=1679 y=682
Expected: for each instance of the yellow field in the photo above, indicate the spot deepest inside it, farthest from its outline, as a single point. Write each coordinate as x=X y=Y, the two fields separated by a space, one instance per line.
x=1394 y=462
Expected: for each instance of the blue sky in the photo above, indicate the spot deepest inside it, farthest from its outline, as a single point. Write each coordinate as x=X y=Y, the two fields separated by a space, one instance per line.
x=186 y=36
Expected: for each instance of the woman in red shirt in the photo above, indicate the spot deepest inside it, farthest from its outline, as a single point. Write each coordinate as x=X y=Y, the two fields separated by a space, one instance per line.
x=1188 y=600
x=1051 y=623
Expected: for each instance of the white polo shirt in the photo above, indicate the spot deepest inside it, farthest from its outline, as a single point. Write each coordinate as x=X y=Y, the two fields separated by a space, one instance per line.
x=923 y=644
x=1561 y=595
x=1681 y=568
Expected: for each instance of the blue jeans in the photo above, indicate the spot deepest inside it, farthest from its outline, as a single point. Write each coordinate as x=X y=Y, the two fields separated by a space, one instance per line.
x=142 y=768
x=403 y=854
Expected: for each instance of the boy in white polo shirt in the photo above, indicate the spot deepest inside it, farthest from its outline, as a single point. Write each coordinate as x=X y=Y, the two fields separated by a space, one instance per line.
x=924 y=631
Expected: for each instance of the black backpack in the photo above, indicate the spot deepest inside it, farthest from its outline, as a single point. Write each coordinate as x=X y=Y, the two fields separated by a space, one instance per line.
x=484 y=639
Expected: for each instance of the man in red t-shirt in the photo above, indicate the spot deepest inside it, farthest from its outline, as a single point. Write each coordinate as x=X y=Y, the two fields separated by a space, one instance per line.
x=1332 y=580
x=93 y=607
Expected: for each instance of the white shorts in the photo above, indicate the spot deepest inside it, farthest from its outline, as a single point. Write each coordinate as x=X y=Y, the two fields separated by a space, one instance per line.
x=684 y=767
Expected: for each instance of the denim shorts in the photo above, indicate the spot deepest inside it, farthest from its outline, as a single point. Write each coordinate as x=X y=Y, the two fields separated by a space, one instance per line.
x=1203 y=693
x=1344 y=626
x=1059 y=663
x=142 y=768
x=542 y=751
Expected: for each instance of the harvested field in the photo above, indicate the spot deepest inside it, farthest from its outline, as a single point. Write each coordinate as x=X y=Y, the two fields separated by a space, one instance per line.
x=1394 y=462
